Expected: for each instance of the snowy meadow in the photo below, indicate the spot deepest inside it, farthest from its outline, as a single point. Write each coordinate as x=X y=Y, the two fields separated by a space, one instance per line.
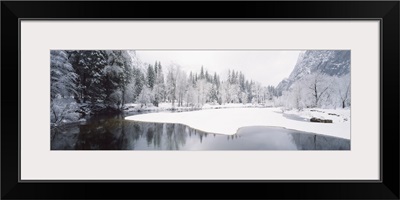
x=200 y=100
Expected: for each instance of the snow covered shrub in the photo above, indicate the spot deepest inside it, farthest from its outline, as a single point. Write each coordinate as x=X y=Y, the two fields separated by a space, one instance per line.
x=63 y=110
x=145 y=96
x=115 y=100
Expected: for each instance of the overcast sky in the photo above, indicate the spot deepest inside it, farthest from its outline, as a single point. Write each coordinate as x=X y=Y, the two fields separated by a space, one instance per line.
x=266 y=67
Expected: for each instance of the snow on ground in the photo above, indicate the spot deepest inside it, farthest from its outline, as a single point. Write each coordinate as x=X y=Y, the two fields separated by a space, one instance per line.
x=228 y=121
x=338 y=115
x=168 y=106
x=231 y=105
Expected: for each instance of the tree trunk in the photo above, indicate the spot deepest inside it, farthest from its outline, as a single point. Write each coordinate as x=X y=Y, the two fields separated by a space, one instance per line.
x=316 y=95
x=123 y=97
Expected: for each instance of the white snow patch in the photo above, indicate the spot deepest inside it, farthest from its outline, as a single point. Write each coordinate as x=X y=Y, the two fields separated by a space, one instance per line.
x=131 y=107
x=228 y=121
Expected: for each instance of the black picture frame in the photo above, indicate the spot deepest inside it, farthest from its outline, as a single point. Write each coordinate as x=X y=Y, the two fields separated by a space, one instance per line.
x=386 y=11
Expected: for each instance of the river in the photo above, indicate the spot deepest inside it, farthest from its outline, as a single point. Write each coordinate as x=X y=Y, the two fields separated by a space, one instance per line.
x=115 y=133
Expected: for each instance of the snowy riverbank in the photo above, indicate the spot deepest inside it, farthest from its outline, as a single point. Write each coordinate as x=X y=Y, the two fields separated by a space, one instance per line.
x=168 y=106
x=228 y=121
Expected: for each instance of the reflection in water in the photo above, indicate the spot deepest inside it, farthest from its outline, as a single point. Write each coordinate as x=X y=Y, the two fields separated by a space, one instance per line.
x=119 y=134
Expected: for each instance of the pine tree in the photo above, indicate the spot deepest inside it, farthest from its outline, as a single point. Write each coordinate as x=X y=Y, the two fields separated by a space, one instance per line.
x=229 y=79
x=155 y=69
x=116 y=77
x=242 y=82
x=161 y=82
x=89 y=66
x=215 y=79
x=62 y=88
x=171 y=85
x=150 y=77
x=62 y=74
x=159 y=86
x=138 y=78
x=127 y=75
x=207 y=77
x=202 y=73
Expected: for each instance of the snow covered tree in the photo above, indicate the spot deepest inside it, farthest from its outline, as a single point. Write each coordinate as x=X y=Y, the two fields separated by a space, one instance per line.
x=213 y=93
x=171 y=83
x=155 y=69
x=343 y=90
x=271 y=92
x=202 y=76
x=191 y=80
x=243 y=97
x=62 y=74
x=229 y=77
x=63 y=110
x=297 y=96
x=145 y=96
x=129 y=96
x=150 y=77
x=257 y=93
x=203 y=90
x=233 y=77
x=207 y=76
x=138 y=79
x=266 y=96
x=191 y=96
x=313 y=90
x=176 y=84
x=159 y=85
x=249 y=90
x=319 y=84
x=89 y=66
x=234 y=91
x=225 y=94
x=113 y=79
x=216 y=79
x=241 y=82
x=129 y=57
x=181 y=86
x=62 y=88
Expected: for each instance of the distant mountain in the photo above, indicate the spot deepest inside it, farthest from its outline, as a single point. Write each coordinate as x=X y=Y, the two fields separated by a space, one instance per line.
x=331 y=62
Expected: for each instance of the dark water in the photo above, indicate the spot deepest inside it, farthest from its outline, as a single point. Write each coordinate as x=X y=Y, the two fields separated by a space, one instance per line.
x=115 y=133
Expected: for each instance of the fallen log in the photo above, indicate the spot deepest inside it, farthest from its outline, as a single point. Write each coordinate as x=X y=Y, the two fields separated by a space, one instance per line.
x=314 y=119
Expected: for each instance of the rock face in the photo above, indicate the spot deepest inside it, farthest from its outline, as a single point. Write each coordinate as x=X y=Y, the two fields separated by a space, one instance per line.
x=314 y=119
x=330 y=62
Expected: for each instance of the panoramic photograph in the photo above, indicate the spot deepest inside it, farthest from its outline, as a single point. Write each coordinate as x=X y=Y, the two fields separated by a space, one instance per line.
x=200 y=100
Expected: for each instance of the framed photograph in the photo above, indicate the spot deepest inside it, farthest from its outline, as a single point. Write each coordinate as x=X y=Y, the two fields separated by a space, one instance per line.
x=117 y=100
x=120 y=95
